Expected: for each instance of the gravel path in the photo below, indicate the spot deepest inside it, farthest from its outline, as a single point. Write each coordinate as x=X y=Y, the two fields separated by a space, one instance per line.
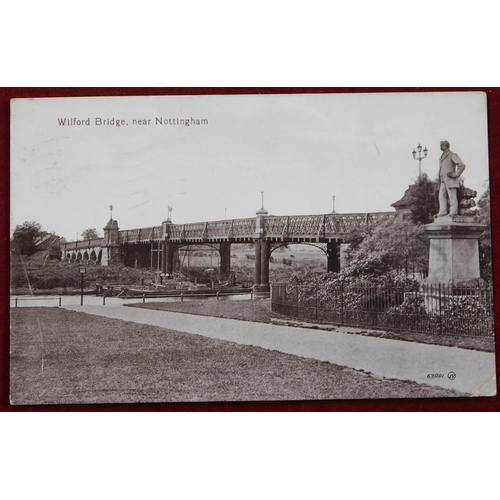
x=260 y=311
x=466 y=371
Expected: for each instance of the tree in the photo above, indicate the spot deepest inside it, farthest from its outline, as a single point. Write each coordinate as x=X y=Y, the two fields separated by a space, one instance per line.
x=357 y=236
x=483 y=206
x=424 y=200
x=54 y=252
x=90 y=234
x=393 y=247
x=24 y=237
x=484 y=217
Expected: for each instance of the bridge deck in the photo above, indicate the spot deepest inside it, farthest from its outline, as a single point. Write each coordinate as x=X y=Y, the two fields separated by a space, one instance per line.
x=299 y=228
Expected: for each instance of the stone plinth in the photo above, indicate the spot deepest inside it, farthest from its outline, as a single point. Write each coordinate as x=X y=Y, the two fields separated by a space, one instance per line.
x=454 y=250
x=261 y=291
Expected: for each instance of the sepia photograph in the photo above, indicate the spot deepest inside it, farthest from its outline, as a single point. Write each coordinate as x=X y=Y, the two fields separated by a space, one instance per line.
x=250 y=247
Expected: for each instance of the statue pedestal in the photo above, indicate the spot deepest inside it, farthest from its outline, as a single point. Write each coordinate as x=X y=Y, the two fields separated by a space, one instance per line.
x=454 y=250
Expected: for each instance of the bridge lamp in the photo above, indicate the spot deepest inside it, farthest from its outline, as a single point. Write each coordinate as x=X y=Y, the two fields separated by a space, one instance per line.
x=419 y=157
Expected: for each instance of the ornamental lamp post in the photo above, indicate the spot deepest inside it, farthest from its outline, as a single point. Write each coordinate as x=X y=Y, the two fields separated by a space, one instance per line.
x=419 y=158
x=83 y=270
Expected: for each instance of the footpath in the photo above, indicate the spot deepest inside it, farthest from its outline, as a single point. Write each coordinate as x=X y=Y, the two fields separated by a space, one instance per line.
x=467 y=371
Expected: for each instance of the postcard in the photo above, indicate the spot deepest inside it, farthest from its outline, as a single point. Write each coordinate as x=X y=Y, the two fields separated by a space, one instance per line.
x=274 y=247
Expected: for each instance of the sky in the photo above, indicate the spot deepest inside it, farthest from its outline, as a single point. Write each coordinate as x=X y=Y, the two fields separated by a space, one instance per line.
x=300 y=150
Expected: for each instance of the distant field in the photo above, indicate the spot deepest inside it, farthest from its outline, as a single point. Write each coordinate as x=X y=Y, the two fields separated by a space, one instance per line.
x=300 y=260
x=65 y=357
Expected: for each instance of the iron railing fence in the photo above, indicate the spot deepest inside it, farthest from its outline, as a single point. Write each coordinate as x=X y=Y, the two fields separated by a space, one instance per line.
x=428 y=308
x=17 y=300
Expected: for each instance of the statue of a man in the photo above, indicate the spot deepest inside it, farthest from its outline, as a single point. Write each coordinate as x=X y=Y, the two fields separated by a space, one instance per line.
x=450 y=170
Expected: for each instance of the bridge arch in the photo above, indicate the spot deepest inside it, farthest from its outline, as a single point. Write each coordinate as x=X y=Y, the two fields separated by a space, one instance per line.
x=186 y=253
x=223 y=250
x=321 y=246
x=187 y=246
x=331 y=250
x=93 y=256
x=85 y=255
x=79 y=256
x=303 y=257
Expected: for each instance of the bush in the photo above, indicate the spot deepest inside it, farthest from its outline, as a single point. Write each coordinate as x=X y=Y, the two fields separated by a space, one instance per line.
x=412 y=304
x=470 y=306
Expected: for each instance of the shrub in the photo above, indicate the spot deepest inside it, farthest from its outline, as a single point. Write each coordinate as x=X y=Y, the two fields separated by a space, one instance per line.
x=412 y=304
x=468 y=306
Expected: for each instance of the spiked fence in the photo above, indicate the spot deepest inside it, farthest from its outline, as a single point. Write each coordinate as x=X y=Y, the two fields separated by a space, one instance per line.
x=428 y=308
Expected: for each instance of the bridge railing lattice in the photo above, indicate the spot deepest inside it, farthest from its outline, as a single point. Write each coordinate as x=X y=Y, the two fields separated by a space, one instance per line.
x=320 y=226
x=278 y=227
x=141 y=235
x=216 y=230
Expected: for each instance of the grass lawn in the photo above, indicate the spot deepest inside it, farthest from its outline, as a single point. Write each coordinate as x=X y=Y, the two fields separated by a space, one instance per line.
x=260 y=311
x=64 y=357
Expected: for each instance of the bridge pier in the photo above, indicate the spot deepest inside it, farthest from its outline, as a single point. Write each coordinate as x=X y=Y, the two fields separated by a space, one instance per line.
x=225 y=260
x=261 y=288
x=333 y=256
x=257 y=263
x=167 y=265
x=265 y=255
